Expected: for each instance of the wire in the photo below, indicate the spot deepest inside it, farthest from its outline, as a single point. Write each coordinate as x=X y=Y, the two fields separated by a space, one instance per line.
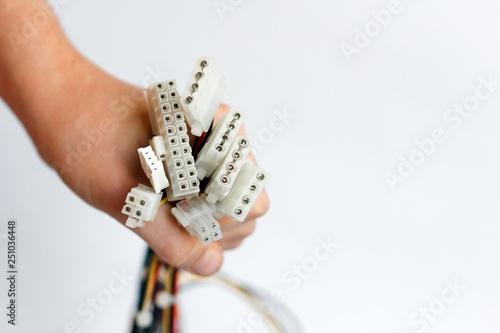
x=165 y=316
x=201 y=140
x=210 y=129
x=163 y=201
x=175 y=323
x=151 y=280
x=280 y=320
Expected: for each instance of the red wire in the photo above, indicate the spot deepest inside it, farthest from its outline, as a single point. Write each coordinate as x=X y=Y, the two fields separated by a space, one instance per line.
x=175 y=322
x=199 y=142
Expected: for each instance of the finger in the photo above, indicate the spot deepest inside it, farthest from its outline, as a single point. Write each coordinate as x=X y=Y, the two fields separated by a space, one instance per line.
x=174 y=245
x=230 y=245
x=260 y=206
x=240 y=231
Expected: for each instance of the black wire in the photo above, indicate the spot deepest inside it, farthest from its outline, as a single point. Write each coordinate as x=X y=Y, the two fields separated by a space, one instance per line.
x=209 y=132
x=156 y=326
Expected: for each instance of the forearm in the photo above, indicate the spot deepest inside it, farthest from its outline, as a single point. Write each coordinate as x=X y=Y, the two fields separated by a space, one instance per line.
x=30 y=49
x=32 y=61
x=44 y=79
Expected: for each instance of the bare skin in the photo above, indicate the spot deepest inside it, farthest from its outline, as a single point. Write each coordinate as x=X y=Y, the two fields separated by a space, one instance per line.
x=88 y=125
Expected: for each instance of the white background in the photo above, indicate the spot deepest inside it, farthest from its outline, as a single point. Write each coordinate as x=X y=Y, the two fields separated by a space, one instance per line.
x=352 y=122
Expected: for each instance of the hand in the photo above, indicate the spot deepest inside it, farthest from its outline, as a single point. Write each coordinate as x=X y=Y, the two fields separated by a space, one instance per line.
x=88 y=125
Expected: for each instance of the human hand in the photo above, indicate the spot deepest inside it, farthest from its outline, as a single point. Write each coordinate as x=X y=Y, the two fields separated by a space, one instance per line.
x=88 y=125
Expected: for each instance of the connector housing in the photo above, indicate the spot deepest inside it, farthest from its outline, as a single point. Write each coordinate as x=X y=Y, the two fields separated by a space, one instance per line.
x=153 y=168
x=167 y=121
x=224 y=176
x=158 y=147
x=215 y=149
x=203 y=94
x=195 y=214
x=141 y=205
x=246 y=189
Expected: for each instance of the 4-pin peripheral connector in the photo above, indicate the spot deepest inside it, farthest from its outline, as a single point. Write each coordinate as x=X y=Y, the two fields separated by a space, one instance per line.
x=246 y=189
x=203 y=94
x=223 y=178
x=141 y=205
x=195 y=214
x=167 y=119
x=215 y=149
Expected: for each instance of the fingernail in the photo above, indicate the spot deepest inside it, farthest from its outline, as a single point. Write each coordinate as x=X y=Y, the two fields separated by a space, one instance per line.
x=209 y=263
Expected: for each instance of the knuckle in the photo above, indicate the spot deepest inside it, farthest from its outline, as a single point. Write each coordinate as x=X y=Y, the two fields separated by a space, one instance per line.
x=179 y=254
x=244 y=230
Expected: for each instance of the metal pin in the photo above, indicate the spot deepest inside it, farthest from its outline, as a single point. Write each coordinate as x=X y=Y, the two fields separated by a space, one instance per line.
x=224 y=180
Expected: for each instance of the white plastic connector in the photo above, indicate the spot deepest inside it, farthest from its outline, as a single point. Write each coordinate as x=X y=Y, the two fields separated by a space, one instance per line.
x=215 y=149
x=144 y=319
x=153 y=168
x=162 y=97
x=141 y=205
x=195 y=214
x=246 y=189
x=203 y=94
x=159 y=147
x=223 y=178
x=164 y=299
x=165 y=111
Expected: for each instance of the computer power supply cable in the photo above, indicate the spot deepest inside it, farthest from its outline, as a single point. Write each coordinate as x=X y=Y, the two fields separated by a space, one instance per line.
x=169 y=160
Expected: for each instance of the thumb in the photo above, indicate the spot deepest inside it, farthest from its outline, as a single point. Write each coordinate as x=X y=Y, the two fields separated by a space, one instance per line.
x=177 y=247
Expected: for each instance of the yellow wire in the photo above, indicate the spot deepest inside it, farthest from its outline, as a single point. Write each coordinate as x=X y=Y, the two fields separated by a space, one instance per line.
x=168 y=279
x=168 y=288
x=151 y=282
x=162 y=202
